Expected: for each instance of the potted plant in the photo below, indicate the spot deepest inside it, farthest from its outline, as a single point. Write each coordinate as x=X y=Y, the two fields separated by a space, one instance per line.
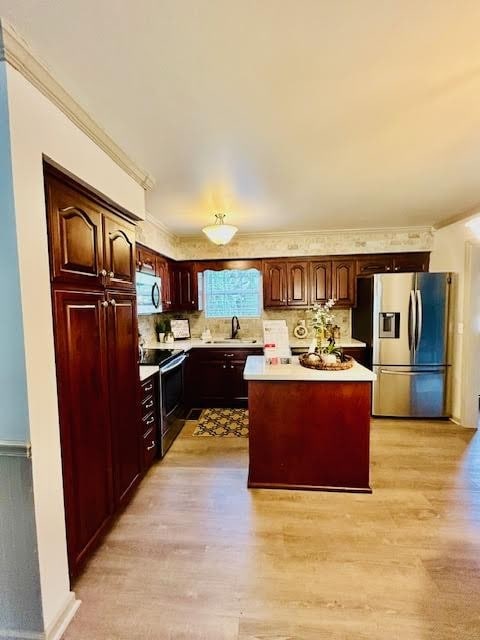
x=162 y=325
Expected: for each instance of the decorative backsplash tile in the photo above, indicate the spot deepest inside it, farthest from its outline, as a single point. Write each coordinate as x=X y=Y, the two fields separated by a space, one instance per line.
x=250 y=327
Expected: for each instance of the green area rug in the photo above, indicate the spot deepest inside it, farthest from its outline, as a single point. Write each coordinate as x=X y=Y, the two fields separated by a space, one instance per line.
x=223 y=423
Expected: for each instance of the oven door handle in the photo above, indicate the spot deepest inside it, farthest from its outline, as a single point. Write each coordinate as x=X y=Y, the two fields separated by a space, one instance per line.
x=174 y=364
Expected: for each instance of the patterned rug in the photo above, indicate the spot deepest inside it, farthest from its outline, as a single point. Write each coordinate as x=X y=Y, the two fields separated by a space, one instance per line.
x=223 y=423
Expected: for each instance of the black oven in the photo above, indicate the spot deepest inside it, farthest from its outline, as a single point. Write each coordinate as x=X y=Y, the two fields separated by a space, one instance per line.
x=172 y=401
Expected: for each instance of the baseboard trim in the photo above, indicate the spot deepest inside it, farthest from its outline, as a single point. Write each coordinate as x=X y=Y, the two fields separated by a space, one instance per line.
x=54 y=631
x=63 y=619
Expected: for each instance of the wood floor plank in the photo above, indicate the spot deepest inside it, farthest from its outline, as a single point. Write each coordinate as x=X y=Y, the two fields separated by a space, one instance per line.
x=198 y=556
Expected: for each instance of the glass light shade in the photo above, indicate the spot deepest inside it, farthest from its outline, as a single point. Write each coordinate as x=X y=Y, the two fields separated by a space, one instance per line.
x=220 y=233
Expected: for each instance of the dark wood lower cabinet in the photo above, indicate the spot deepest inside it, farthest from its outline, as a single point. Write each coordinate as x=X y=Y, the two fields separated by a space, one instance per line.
x=123 y=382
x=83 y=392
x=97 y=374
x=214 y=377
x=149 y=420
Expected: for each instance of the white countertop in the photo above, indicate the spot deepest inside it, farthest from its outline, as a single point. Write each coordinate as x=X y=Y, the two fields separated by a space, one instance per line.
x=147 y=370
x=257 y=369
x=186 y=345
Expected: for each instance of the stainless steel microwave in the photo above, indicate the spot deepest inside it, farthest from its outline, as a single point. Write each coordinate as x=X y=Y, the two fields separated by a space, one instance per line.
x=149 y=294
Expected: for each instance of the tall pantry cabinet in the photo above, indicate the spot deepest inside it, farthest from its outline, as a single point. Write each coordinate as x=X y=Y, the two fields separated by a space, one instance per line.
x=92 y=258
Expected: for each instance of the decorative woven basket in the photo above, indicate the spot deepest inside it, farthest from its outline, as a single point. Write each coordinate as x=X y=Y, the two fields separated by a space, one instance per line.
x=322 y=366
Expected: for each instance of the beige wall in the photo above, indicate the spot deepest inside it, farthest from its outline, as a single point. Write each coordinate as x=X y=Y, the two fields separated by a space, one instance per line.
x=453 y=250
x=37 y=127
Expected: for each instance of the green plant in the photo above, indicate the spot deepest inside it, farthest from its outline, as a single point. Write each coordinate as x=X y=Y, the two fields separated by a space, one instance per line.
x=332 y=349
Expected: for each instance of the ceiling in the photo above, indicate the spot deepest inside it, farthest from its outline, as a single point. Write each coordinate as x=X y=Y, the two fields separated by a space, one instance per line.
x=285 y=114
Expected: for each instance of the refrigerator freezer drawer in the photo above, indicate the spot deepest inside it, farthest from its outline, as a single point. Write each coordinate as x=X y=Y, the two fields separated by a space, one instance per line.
x=410 y=392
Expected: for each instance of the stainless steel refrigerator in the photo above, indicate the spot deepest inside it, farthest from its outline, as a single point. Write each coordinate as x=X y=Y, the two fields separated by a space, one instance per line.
x=404 y=319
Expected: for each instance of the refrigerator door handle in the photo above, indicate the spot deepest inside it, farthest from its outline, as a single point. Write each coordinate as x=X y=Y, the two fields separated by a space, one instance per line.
x=412 y=321
x=419 y=323
x=409 y=373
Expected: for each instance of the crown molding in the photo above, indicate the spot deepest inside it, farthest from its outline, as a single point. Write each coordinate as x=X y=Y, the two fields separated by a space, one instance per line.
x=15 y=51
x=316 y=234
x=157 y=223
x=459 y=217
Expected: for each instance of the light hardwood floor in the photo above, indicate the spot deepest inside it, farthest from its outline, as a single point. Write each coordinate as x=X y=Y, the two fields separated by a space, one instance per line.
x=197 y=556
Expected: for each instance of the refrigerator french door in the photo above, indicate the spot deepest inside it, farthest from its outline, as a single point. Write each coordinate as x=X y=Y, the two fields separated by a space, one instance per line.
x=410 y=344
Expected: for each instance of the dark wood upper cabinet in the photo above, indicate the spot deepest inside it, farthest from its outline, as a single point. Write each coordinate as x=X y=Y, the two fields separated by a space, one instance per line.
x=146 y=260
x=75 y=233
x=406 y=262
x=320 y=281
x=120 y=256
x=183 y=286
x=343 y=282
x=82 y=379
x=380 y=263
x=163 y=272
x=297 y=284
x=122 y=349
x=274 y=283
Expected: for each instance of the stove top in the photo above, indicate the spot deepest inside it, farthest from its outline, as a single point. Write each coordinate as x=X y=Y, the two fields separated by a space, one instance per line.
x=159 y=356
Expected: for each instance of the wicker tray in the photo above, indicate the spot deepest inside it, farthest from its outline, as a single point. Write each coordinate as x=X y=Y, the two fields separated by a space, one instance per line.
x=321 y=366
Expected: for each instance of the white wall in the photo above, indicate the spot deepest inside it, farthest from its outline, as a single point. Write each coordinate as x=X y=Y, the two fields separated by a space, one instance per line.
x=454 y=250
x=37 y=127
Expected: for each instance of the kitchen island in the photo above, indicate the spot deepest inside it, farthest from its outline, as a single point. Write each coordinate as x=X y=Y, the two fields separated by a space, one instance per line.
x=308 y=429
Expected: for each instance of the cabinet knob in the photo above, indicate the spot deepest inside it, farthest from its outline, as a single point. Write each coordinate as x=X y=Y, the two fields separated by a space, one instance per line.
x=387 y=268
x=113 y=302
x=397 y=268
x=103 y=272
x=104 y=303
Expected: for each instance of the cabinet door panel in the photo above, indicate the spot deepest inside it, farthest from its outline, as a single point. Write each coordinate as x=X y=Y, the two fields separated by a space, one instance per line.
x=343 y=282
x=146 y=261
x=75 y=233
x=84 y=419
x=297 y=284
x=374 y=264
x=183 y=289
x=119 y=240
x=411 y=262
x=320 y=281
x=163 y=273
x=124 y=398
x=274 y=284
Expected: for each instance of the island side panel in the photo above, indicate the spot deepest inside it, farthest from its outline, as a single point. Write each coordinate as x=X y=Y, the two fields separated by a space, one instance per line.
x=311 y=435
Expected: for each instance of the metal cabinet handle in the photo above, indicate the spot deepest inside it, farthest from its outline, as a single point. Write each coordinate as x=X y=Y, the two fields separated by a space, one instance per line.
x=103 y=272
x=149 y=387
x=152 y=446
x=149 y=404
x=104 y=303
x=150 y=420
x=113 y=302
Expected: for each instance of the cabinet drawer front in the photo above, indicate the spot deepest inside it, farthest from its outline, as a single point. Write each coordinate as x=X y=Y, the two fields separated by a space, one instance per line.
x=147 y=388
x=149 y=448
x=149 y=421
x=148 y=406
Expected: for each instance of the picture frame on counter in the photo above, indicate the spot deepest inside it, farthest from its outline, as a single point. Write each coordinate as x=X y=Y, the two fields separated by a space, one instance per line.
x=180 y=328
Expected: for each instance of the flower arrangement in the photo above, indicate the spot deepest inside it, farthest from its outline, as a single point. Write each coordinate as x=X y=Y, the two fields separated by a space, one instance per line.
x=322 y=317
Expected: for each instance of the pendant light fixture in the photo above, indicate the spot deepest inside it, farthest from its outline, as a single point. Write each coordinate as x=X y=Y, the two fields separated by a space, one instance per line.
x=220 y=233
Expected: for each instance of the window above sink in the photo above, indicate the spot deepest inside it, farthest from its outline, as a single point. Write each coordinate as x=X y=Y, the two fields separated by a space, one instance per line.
x=231 y=292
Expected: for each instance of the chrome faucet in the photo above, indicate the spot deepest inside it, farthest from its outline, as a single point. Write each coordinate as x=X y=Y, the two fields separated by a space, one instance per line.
x=235 y=327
